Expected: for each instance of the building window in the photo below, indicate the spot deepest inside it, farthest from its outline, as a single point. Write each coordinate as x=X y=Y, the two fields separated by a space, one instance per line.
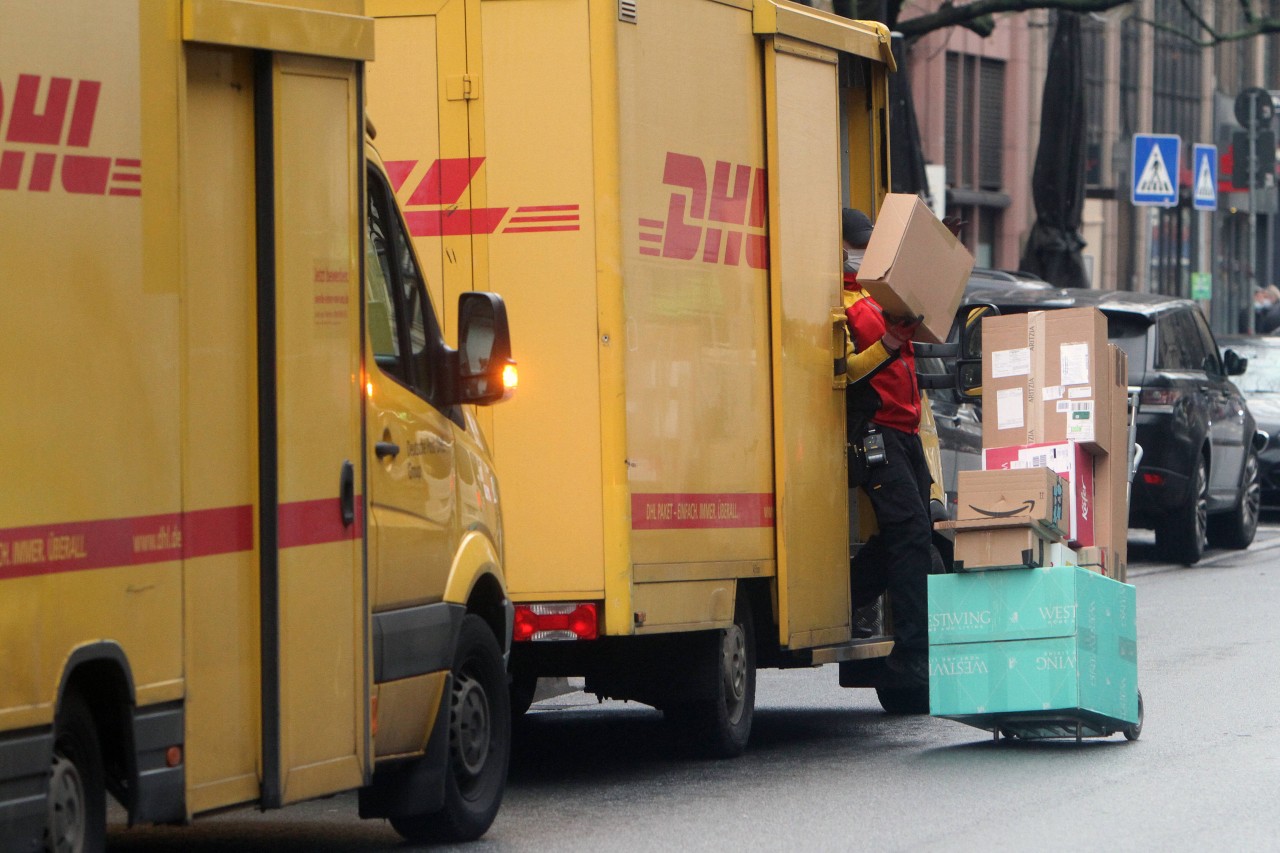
x=1093 y=54
x=1176 y=89
x=975 y=122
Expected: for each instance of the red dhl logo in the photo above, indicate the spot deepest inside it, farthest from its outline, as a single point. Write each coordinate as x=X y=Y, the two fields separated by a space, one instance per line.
x=442 y=187
x=736 y=199
x=40 y=110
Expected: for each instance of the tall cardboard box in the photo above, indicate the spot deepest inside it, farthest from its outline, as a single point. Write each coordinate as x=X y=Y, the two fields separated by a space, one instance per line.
x=1045 y=379
x=914 y=266
x=1068 y=460
x=1111 y=479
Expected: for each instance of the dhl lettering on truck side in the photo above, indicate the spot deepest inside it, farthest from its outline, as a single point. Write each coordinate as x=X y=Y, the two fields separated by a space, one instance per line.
x=109 y=543
x=31 y=125
x=686 y=511
x=736 y=199
x=443 y=185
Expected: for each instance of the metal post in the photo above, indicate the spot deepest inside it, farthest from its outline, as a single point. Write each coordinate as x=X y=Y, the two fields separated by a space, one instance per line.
x=1250 y=278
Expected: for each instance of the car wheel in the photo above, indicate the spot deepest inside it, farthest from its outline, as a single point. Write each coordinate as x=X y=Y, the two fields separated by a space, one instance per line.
x=1236 y=529
x=1181 y=539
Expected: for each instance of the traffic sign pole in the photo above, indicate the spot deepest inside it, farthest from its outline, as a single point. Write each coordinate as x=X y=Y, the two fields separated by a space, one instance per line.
x=1250 y=278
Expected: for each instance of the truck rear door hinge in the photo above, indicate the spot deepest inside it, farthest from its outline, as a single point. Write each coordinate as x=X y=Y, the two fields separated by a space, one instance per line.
x=462 y=87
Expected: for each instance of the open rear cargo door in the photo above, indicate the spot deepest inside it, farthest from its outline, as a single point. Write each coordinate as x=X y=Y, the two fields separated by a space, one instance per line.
x=802 y=113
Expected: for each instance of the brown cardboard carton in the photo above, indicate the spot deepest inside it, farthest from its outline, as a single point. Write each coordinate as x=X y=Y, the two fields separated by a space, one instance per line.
x=1068 y=460
x=1045 y=379
x=1035 y=493
x=996 y=543
x=914 y=266
x=1093 y=558
x=1111 y=478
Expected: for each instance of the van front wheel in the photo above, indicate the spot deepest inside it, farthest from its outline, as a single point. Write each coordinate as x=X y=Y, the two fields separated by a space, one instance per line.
x=479 y=743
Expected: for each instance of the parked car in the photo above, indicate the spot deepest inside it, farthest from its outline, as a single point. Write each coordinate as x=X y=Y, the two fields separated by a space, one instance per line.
x=1197 y=482
x=1260 y=384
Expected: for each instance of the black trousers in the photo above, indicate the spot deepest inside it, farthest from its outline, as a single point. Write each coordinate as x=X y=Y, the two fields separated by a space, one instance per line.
x=900 y=556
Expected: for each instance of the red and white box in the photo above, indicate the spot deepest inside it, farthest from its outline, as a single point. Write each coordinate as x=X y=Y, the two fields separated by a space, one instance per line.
x=1068 y=460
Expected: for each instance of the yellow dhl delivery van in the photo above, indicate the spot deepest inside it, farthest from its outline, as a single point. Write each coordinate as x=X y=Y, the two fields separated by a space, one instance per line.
x=657 y=185
x=250 y=538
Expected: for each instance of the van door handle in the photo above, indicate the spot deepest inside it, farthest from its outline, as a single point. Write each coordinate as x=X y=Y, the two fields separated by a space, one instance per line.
x=384 y=449
x=347 y=493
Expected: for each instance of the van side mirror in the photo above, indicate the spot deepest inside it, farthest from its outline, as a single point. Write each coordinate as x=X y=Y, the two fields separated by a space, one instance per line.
x=482 y=370
x=969 y=365
x=1234 y=364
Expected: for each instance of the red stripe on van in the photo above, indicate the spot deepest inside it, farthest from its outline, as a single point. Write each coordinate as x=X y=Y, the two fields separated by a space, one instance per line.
x=48 y=549
x=316 y=523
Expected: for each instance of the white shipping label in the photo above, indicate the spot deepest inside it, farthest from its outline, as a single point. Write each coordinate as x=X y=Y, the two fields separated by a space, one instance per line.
x=1009 y=409
x=1011 y=362
x=1080 y=421
x=1081 y=392
x=1075 y=364
x=1052 y=392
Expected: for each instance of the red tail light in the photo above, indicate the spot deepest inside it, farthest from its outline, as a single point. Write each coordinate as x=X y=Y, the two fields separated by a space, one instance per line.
x=1153 y=479
x=1157 y=398
x=557 y=621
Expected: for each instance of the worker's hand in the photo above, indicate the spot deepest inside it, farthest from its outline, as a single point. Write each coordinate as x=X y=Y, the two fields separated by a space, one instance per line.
x=898 y=331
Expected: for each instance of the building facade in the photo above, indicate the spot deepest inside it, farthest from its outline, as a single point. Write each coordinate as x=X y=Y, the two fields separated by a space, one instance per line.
x=978 y=103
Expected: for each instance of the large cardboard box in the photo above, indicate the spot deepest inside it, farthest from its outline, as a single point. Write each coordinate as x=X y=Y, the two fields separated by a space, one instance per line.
x=1068 y=460
x=1059 y=640
x=1003 y=543
x=914 y=266
x=1032 y=493
x=1047 y=377
x=1111 y=483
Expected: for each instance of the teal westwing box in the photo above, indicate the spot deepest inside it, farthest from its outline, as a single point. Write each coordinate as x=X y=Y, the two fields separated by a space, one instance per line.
x=1054 y=639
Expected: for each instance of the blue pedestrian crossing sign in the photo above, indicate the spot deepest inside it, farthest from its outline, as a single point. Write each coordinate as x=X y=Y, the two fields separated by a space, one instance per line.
x=1155 y=169
x=1204 y=177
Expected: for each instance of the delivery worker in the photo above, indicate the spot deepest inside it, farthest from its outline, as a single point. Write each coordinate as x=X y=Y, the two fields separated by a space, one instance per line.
x=886 y=459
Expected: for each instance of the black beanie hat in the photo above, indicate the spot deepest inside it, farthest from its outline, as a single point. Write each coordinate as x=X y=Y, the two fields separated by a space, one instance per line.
x=855 y=227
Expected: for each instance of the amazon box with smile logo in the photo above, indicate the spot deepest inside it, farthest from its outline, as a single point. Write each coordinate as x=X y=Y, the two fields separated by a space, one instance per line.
x=1035 y=494
x=1073 y=463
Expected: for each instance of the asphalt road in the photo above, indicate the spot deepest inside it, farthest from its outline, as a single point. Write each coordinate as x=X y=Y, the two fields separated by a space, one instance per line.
x=828 y=770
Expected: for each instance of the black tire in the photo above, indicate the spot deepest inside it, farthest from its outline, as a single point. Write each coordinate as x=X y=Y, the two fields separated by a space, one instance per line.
x=1236 y=529
x=718 y=723
x=1181 y=539
x=904 y=701
x=479 y=743
x=523 y=688
x=1135 y=731
x=77 y=794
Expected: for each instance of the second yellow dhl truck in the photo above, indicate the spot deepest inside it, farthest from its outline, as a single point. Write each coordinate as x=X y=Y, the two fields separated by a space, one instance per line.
x=657 y=184
x=251 y=544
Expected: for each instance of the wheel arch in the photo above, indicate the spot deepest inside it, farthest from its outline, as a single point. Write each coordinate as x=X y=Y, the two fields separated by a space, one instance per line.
x=476 y=580
x=100 y=673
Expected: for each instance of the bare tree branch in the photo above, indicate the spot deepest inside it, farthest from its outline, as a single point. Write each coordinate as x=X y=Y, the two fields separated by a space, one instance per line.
x=979 y=17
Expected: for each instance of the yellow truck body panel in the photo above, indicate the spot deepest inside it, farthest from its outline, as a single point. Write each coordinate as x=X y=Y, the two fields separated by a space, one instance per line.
x=237 y=529
x=660 y=198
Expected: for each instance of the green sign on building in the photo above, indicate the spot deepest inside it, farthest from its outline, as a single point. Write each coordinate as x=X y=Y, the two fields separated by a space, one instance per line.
x=1202 y=285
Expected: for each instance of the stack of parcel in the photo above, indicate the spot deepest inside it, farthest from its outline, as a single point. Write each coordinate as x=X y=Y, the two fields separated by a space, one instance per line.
x=1035 y=635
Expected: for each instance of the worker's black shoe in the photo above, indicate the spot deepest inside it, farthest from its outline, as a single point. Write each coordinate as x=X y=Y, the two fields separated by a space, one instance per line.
x=911 y=667
x=866 y=620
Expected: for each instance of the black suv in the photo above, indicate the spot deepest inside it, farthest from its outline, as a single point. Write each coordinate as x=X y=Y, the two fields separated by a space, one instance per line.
x=1198 y=478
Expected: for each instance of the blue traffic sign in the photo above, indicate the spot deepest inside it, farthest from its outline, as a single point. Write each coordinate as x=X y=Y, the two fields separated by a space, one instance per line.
x=1155 y=169
x=1204 y=177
